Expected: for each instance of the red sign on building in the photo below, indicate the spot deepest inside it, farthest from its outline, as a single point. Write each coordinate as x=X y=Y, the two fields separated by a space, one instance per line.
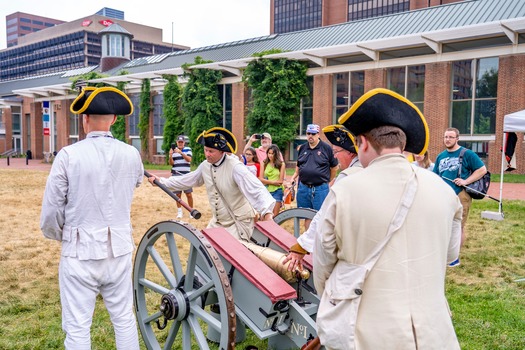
x=106 y=22
x=86 y=23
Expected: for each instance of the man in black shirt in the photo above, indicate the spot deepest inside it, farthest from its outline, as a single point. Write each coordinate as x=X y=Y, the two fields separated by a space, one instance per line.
x=316 y=167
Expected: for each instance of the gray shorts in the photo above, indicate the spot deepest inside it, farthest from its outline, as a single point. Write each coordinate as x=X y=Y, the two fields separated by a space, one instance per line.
x=178 y=193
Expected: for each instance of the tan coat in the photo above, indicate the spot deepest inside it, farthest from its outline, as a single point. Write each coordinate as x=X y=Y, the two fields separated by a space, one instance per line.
x=403 y=304
x=221 y=185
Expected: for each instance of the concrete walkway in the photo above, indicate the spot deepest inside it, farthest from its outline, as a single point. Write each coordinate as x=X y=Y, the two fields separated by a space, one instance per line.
x=510 y=190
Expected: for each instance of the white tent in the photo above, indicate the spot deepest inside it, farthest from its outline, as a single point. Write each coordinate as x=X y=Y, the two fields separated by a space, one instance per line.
x=514 y=122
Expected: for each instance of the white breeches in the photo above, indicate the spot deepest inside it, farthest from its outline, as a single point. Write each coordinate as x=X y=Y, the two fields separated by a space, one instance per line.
x=80 y=283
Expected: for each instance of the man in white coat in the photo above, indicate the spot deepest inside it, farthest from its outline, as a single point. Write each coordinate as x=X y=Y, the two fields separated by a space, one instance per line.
x=397 y=300
x=86 y=206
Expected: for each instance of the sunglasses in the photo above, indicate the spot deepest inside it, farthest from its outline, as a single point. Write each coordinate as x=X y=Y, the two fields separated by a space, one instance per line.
x=248 y=154
x=311 y=133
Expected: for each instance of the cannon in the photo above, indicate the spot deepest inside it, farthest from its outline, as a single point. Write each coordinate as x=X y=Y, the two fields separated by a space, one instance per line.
x=203 y=288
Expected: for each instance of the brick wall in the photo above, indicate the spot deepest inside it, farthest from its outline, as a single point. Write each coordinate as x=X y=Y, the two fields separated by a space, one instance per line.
x=239 y=103
x=437 y=104
x=511 y=98
x=334 y=12
x=322 y=100
x=375 y=78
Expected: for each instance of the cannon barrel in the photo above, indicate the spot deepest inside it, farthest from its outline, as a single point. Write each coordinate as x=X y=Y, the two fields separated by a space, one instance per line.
x=194 y=212
x=274 y=260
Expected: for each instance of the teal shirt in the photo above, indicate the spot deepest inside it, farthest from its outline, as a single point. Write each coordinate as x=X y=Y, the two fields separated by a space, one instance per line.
x=447 y=165
x=273 y=174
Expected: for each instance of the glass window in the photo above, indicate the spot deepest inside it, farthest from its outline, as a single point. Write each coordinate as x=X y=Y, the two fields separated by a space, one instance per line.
x=73 y=125
x=115 y=45
x=408 y=81
x=294 y=15
x=28 y=130
x=2 y=122
x=225 y=96
x=474 y=96
x=487 y=78
x=307 y=108
x=16 y=120
x=359 y=9
x=133 y=119
x=294 y=147
x=158 y=118
x=415 y=84
x=158 y=144
x=348 y=87
x=396 y=79
x=357 y=86
x=461 y=110
x=135 y=142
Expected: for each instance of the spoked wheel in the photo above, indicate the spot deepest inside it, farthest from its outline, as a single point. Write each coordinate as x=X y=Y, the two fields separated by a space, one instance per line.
x=177 y=277
x=293 y=219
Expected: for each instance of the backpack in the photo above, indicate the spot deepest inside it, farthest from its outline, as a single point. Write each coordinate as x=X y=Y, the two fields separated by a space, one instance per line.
x=478 y=189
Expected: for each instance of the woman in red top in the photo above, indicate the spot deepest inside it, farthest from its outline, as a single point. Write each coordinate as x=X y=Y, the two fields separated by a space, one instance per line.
x=252 y=162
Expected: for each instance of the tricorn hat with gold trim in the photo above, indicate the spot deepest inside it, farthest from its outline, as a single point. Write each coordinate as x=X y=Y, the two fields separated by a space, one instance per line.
x=338 y=135
x=380 y=107
x=218 y=138
x=103 y=100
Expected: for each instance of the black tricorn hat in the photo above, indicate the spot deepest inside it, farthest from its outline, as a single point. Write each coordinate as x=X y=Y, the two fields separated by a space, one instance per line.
x=338 y=135
x=103 y=100
x=380 y=107
x=218 y=138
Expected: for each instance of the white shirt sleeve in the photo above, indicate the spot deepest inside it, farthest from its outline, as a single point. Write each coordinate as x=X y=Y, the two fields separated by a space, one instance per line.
x=307 y=239
x=52 y=217
x=184 y=182
x=252 y=188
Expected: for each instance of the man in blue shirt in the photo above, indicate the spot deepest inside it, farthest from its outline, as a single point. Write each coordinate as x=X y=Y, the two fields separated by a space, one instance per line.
x=447 y=167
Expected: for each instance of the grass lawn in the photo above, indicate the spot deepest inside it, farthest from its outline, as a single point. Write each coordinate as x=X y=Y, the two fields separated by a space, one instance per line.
x=486 y=300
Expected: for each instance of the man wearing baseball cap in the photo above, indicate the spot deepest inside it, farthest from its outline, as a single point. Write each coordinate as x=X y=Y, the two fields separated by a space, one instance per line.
x=234 y=194
x=316 y=167
x=386 y=235
x=86 y=206
x=266 y=141
x=180 y=161
x=345 y=150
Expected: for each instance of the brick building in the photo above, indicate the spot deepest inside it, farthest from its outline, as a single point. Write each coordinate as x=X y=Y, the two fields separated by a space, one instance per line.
x=459 y=63
x=293 y=15
x=20 y=24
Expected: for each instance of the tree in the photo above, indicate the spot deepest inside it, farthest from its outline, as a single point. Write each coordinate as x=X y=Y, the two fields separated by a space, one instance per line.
x=174 y=124
x=118 y=129
x=201 y=105
x=278 y=86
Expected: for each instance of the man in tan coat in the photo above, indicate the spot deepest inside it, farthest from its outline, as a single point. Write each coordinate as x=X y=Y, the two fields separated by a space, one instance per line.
x=397 y=301
x=235 y=195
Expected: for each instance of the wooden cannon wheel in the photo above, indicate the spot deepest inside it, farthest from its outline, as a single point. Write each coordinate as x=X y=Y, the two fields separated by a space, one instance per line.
x=294 y=216
x=174 y=294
